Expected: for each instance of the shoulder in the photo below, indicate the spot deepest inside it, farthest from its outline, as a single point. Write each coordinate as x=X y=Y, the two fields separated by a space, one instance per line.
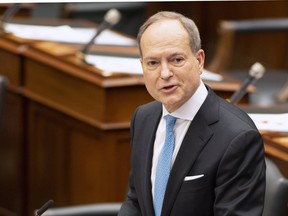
x=235 y=114
x=220 y=110
x=149 y=108
x=145 y=111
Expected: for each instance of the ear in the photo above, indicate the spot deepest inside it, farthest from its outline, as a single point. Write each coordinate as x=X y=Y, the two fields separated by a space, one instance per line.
x=200 y=56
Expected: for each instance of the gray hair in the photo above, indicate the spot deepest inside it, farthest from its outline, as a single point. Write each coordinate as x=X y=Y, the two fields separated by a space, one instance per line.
x=188 y=24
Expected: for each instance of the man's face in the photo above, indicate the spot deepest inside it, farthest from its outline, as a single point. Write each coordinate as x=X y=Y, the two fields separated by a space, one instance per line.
x=171 y=71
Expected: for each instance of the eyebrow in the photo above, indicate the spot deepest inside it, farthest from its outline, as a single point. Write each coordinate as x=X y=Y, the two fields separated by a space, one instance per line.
x=170 y=56
x=177 y=54
x=149 y=59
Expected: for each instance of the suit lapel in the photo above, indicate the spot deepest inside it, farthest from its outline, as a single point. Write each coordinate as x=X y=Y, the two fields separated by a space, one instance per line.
x=194 y=141
x=151 y=124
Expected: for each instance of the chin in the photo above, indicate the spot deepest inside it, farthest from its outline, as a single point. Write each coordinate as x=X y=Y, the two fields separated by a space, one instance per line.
x=171 y=106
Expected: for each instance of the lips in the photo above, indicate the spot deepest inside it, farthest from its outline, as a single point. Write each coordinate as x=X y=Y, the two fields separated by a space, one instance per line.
x=168 y=88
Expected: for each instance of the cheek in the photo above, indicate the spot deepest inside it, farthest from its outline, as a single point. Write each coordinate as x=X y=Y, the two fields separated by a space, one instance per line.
x=191 y=79
x=147 y=78
x=192 y=83
x=150 y=77
x=150 y=82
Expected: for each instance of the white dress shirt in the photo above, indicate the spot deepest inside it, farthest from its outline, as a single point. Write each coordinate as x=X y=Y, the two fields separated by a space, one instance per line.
x=185 y=114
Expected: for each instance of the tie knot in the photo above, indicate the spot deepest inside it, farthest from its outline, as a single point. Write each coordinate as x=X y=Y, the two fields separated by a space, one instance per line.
x=170 y=122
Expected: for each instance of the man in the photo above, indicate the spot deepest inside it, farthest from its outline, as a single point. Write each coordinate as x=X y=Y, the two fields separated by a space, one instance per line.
x=217 y=163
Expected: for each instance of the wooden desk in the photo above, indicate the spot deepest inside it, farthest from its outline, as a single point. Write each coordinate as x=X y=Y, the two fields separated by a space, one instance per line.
x=69 y=127
x=276 y=148
x=276 y=143
x=66 y=126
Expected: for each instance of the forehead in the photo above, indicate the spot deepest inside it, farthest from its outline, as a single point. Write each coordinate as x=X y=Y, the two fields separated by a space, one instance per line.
x=164 y=29
x=164 y=34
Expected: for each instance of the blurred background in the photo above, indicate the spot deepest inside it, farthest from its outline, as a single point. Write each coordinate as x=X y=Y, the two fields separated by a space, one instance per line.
x=51 y=149
x=206 y=14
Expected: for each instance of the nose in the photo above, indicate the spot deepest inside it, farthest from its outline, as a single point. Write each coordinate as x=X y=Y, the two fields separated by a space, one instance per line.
x=165 y=71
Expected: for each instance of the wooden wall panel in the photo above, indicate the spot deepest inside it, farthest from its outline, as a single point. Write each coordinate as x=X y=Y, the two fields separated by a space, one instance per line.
x=11 y=66
x=13 y=155
x=73 y=163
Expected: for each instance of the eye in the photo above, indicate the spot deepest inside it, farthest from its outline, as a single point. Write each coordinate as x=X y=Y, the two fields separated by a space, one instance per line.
x=152 y=64
x=177 y=60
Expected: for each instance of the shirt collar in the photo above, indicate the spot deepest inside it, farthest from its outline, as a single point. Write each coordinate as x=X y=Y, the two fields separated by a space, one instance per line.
x=189 y=109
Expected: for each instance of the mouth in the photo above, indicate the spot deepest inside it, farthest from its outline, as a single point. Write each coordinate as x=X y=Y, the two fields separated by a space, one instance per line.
x=169 y=89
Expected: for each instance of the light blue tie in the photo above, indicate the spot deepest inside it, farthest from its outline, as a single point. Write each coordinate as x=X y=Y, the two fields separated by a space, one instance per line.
x=164 y=165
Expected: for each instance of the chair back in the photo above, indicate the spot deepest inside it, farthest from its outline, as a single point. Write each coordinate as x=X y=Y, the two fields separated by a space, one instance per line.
x=276 y=197
x=241 y=43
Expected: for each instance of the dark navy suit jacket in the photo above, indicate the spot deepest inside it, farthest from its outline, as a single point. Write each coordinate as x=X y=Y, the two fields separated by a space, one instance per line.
x=222 y=143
